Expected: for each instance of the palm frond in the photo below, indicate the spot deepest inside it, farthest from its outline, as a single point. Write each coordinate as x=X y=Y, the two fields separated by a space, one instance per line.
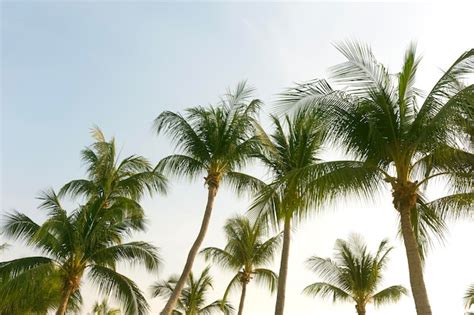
x=266 y=277
x=120 y=287
x=389 y=295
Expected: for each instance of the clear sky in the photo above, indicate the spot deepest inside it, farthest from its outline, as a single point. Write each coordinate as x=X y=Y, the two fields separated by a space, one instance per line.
x=66 y=66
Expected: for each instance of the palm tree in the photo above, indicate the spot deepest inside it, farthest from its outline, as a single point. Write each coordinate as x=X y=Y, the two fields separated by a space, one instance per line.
x=354 y=275
x=245 y=253
x=87 y=242
x=469 y=297
x=377 y=119
x=103 y=308
x=193 y=296
x=215 y=142
x=113 y=180
x=291 y=154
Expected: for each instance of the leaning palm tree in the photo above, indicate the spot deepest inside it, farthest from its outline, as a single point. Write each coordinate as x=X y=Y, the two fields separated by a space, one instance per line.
x=113 y=180
x=245 y=253
x=378 y=119
x=469 y=297
x=103 y=308
x=215 y=142
x=291 y=155
x=354 y=275
x=85 y=243
x=192 y=300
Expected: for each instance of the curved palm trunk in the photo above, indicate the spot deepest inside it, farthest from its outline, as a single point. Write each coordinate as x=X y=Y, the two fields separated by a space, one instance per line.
x=415 y=269
x=170 y=305
x=285 y=253
x=66 y=294
x=242 y=297
x=360 y=308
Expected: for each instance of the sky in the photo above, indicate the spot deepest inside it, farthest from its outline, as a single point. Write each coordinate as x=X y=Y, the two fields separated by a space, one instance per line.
x=67 y=66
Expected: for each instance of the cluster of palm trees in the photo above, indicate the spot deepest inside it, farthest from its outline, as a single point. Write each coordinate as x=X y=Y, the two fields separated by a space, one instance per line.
x=393 y=135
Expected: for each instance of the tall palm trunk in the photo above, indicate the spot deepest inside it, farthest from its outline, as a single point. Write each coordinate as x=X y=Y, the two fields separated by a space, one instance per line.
x=65 y=295
x=360 y=308
x=170 y=305
x=415 y=269
x=242 y=297
x=285 y=253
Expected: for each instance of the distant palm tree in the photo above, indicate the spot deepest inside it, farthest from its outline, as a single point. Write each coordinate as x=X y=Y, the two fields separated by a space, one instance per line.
x=469 y=297
x=378 y=119
x=87 y=241
x=192 y=300
x=354 y=275
x=103 y=308
x=291 y=154
x=245 y=253
x=113 y=180
x=215 y=143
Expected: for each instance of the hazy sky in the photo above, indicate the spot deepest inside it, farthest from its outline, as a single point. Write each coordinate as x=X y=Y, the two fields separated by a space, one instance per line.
x=66 y=66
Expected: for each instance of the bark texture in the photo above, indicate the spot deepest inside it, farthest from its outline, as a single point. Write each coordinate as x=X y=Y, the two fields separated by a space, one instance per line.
x=242 y=298
x=285 y=253
x=170 y=305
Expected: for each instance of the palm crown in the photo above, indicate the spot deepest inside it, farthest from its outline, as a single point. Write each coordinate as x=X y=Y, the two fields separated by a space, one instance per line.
x=354 y=275
x=192 y=300
x=215 y=141
x=245 y=253
x=111 y=179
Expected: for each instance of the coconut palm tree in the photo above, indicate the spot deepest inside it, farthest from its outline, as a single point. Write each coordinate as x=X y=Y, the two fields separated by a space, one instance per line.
x=192 y=300
x=214 y=142
x=85 y=243
x=103 y=308
x=469 y=297
x=113 y=180
x=354 y=275
x=246 y=253
x=378 y=118
x=291 y=155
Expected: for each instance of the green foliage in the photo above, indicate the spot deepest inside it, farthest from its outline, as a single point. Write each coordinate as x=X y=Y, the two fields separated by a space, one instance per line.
x=469 y=296
x=214 y=141
x=113 y=180
x=192 y=300
x=88 y=241
x=103 y=308
x=301 y=181
x=378 y=119
x=246 y=253
x=354 y=274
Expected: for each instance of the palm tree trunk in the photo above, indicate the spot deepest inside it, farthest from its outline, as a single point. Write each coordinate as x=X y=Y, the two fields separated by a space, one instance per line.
x=66 y=294
x=242 y=297
x=285 y=253
x=170 y=305
x=415 y=269
x=360 y=309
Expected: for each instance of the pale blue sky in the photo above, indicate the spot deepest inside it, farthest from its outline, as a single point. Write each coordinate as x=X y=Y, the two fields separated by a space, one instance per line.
x=66 y=66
